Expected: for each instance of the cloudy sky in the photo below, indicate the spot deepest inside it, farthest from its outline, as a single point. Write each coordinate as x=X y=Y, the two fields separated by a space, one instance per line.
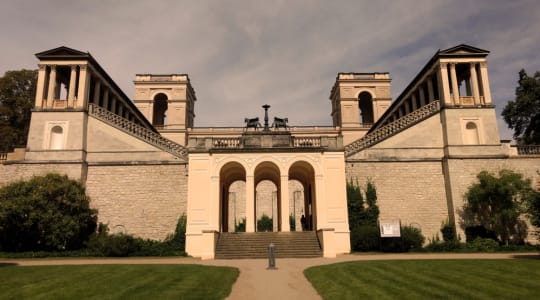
x=242 y=54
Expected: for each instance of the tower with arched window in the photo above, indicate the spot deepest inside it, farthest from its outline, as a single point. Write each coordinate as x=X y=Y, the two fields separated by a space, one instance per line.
x=358 y=100
x=168 y=102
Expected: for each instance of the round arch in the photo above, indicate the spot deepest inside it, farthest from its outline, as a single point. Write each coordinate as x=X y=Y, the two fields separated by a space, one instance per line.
x=230 y=173
x=365 y=104
x=267 y=183
x=304 y=172
x=160 y=107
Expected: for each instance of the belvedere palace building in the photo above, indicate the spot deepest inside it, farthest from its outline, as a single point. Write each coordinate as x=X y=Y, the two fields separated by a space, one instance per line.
x=145 y=163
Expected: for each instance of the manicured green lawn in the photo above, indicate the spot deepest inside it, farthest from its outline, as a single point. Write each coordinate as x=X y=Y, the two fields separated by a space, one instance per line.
x=116 y=282
x=428 y=279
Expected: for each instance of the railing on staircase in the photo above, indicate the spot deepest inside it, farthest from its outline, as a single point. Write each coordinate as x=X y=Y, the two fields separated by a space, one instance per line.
x=388 y=130
x=139 y=131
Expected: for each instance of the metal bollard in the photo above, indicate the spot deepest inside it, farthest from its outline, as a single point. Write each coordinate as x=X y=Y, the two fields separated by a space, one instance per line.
x=271 y=257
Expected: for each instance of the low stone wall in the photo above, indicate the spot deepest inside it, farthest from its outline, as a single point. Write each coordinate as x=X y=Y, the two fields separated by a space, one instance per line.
x=144 y=200
x=13 y=171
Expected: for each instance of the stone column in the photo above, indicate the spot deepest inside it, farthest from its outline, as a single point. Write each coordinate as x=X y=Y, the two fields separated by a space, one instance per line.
x=422 y=96
x=285 y=226
x=455 y=88
x=413 y=100
x=431 y=93
x=444 y=85
x=105 y=98
x=97 y=92
x=113 y=105
x=72 y=83
x=474 y=83
x=40 y=89
x=485 y=83
x=52 y=86
x=84 y=79
x=250 y=203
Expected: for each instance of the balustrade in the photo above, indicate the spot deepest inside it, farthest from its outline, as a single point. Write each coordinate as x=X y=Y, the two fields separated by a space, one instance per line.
x=528 y=150
x=3 y=156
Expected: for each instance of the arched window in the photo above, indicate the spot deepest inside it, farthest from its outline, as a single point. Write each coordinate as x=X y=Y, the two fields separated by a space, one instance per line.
x=365 y=103
x=160 y=110
x=56 y=140
x=471 y=134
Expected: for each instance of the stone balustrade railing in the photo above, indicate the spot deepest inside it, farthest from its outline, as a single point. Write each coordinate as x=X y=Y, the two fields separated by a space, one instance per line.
x=306 y=142
x=139 y=131
x=226 y=143
x=388 y=130
x=528 y=150
x=3 y=156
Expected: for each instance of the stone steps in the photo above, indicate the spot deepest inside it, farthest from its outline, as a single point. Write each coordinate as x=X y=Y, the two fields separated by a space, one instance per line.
x=255 y=245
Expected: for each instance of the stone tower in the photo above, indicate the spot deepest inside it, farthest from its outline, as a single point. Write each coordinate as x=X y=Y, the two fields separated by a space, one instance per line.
x=358 y=101
x=167 y=101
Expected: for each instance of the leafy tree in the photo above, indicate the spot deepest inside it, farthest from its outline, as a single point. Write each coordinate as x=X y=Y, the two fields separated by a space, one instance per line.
x=17 y=92
x=355 y=204
x=523 y=114
x=48 y=212
x=497 y=203
x=363 y=217
x=533 y=209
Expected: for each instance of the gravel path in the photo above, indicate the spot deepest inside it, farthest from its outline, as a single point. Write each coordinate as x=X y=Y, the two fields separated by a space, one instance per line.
x=256 y=281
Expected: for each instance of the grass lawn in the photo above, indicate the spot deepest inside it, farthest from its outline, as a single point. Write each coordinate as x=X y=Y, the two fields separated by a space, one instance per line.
x=116 y=282
x=428 y=279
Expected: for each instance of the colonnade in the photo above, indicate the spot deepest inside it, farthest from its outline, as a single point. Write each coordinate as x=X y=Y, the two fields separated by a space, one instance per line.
x=443 y=82
x=83 y=85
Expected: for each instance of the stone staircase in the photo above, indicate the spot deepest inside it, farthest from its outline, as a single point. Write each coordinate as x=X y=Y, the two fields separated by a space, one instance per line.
x=384 y=132
x=255 y=245
x=138 y=131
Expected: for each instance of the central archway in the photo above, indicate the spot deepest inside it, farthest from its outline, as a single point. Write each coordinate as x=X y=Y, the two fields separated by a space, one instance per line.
x=266 y=173
x=304 y=173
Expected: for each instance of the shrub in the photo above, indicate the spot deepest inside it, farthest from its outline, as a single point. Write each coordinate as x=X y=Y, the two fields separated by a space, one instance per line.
x=240 y=226
x=483 y=245
x=265 y=223
x=365 y=238
x=104 y=244
x=474 y=232
x=448 y=231
x=45 y=213
x=412 y=238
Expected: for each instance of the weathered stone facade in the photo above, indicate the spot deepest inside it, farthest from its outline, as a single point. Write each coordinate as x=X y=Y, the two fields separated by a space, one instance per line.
x=145 y=164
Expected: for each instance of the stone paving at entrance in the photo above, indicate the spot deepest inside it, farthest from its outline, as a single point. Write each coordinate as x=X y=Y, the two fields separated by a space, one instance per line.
x=258 y=282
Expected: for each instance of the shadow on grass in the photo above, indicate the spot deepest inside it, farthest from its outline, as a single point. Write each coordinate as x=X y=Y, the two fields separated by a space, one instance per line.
x=4 y=264
x=527 y=256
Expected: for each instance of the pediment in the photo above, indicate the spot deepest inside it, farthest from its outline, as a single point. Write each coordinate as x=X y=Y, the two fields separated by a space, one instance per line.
x=463 y=49
x=62 y=52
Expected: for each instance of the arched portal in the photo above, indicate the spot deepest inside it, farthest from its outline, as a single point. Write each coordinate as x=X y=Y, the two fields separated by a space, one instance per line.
x=365 y=103
x=296 y=205
x=231 y=177
x=160 y=110
x=304 y=173
x=267 y=193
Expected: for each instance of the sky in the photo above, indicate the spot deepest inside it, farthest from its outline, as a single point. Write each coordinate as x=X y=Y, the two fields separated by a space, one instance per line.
x=240 y=55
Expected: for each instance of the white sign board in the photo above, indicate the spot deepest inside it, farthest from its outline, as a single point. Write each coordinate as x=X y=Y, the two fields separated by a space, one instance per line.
x=390 y=229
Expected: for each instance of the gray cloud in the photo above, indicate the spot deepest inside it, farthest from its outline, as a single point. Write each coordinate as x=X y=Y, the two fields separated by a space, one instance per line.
x=242 y=54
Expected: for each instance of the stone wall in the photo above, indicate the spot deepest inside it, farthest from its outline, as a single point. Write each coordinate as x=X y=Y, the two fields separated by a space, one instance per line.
x=10 y=172
x=411 y=192
x=463 y=174
x=417 y=193
x=144 y=200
